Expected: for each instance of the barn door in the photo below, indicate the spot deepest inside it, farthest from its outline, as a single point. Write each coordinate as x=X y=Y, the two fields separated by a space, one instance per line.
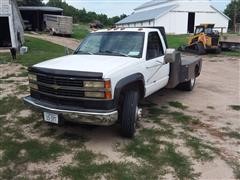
x=5 y=38
x=191 y=22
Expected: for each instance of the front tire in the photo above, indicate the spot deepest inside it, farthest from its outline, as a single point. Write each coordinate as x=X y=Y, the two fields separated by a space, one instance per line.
x=129 y=113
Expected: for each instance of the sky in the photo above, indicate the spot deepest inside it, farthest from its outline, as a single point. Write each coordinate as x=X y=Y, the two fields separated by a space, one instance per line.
x=118 y=7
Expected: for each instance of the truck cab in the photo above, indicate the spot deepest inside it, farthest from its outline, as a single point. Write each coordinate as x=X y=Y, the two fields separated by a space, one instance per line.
x=106 y=77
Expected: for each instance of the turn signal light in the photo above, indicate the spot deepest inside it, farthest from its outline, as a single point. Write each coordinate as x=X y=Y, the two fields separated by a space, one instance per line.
x=107 y=84
x=108 y=95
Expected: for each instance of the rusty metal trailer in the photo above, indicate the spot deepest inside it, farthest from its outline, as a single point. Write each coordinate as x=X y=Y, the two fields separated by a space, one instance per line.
x=230 y=41
x=58 y=24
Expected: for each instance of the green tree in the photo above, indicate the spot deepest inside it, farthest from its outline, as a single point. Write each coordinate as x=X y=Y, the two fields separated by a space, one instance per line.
x=83 y=16
x=30 y=2
x=115 y=19
x=233 y=11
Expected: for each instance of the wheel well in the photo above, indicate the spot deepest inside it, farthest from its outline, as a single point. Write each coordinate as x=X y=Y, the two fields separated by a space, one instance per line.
x=197 y=73
x=137 y=85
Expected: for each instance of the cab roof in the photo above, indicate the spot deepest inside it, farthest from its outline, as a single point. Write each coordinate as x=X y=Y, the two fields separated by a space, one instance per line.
x=120 y=29
x=138 y=29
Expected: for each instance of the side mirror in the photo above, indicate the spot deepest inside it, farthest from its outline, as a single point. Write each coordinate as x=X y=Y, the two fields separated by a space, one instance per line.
x=170 y=56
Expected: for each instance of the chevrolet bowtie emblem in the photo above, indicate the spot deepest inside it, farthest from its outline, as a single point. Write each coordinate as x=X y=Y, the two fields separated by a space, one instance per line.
x=56 y=87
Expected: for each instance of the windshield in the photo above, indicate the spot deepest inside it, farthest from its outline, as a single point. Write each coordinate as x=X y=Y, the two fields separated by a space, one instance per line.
x=199 y=30
x=113 y=43
x=208 y=30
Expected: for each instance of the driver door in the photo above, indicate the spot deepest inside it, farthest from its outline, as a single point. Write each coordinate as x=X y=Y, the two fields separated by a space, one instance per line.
x=157 y=72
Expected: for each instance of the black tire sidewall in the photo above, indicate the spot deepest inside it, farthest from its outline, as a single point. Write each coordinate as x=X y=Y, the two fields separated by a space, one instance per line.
x=128 y=113
x=187 y=86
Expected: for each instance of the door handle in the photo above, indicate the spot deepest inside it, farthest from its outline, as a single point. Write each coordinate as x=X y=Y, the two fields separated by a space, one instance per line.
x=153 y=66
x=159 y=63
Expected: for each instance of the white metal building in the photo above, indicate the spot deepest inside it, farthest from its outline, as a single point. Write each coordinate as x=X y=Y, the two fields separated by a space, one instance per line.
x=177 y=16
x=11 y=25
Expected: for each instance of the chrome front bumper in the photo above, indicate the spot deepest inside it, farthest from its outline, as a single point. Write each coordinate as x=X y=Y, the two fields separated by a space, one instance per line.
x=94 y=118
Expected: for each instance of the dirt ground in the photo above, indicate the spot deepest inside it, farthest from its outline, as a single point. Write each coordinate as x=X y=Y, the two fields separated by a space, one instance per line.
x=217 y=89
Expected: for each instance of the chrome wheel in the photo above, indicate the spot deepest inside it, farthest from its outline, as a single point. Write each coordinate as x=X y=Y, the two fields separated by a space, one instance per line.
x=192 y=81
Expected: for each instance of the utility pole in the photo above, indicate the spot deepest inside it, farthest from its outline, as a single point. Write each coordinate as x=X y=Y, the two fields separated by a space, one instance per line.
x=235 y=16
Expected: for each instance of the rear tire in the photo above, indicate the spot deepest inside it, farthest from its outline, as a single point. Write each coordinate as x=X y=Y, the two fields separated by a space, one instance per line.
x=188 y=86
x=129 y=114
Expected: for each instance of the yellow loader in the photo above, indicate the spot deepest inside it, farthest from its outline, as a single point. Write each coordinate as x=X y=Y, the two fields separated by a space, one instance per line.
x=204 y=40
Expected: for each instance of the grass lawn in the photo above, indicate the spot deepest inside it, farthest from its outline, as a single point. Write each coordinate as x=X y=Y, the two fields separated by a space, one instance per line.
x=38 y=50
x=80 y=31
x=232 y=53
x=175 y=41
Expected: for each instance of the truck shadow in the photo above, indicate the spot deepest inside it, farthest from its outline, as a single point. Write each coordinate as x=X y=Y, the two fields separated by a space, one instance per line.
x=93 y=132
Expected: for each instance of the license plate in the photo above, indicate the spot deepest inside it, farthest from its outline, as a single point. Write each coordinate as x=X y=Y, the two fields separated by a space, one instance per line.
x=50 y=117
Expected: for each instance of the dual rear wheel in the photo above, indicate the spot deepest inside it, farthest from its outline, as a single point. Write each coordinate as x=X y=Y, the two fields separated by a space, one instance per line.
x=187 y=86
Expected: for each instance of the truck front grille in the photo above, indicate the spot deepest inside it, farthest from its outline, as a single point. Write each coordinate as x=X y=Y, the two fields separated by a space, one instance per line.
x=65 y=89
x=60 y=86
x=60 y=80
x=60 y=92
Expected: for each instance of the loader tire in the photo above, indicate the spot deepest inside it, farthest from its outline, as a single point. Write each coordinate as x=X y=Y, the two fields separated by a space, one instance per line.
x=218 y=50
x=200 y=49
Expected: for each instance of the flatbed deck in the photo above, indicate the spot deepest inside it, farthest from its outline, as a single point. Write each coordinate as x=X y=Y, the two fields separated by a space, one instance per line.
x=186 y=60
x=230 y=41
x=231 y=38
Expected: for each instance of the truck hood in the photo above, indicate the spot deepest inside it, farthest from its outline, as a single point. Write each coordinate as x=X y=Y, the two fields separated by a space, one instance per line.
x=88 y=63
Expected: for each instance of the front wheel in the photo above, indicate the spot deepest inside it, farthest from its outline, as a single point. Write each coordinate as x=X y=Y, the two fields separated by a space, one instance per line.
x=129 y=114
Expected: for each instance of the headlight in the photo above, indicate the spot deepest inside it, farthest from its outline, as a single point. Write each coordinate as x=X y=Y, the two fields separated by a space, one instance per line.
x=97 y=84
x=98 y=89
x=33 y=86
x=32 y=77
x=93 y=84
x=95 y=94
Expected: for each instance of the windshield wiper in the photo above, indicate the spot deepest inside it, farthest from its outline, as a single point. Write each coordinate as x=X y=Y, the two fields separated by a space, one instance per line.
x=114 y=53
x=84 y=52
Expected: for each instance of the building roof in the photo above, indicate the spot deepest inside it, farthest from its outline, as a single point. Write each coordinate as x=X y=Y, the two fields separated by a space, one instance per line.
x=152 y=3
x=40 y=8
x=147 y=15
x=220 y=12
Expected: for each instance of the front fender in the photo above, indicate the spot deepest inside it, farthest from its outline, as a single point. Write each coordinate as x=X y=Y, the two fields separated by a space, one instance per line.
x=138 y=77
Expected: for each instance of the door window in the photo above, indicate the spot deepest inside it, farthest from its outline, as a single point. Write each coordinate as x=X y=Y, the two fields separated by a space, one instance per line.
x=154 y=48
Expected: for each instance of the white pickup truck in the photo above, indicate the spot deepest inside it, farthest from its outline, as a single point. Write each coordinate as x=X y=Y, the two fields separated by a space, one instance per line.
x=106 y=77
